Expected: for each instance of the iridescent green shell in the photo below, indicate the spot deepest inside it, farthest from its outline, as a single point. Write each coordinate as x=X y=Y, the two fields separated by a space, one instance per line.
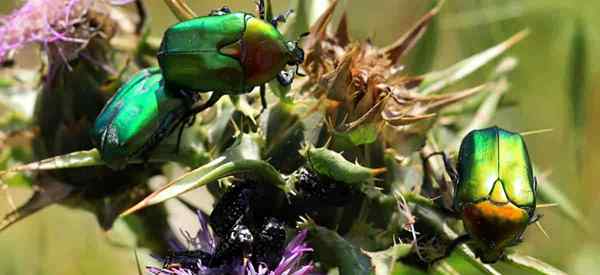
x=141 y=111
x=228 y=53
x=490 y=156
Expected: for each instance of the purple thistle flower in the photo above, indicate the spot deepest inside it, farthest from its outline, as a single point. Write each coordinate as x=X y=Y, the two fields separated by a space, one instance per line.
x=290 y=262
x=48 y=21
x=204 y=240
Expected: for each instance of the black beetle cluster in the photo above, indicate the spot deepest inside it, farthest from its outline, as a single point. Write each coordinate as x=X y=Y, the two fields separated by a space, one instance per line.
x=243 y=229
x=319 y=189
x=249 y=219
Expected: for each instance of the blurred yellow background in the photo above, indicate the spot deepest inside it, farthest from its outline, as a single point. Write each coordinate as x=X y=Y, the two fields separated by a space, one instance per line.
x=64 y=241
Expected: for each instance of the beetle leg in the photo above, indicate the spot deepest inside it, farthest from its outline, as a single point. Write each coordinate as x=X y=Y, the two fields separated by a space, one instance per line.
x=285 y=78
x=536 y=217
x=211 y=101
x=281 y=18
x=189 y=98
x=263 y=98
x=180 y=133
x=453 y=245
x=447 y=164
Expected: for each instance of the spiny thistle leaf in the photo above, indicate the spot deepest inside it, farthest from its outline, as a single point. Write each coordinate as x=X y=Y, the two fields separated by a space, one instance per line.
x=214 y=170
x=363 y=134
x=284 y=130
x=71 y=160
x=334 y=165
x=439 y=80
x=333 y=250
x=384 y=261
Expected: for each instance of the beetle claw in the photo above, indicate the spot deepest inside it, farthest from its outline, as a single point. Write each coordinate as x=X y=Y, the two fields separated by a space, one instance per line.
x=453 y=245
x=222 y=11
x=263 y=98
x=285 y=78
x=282 y=18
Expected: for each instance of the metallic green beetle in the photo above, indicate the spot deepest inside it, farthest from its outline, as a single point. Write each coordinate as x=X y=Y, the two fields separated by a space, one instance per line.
x=494 y=191
x=140 y=115
x=227 y=53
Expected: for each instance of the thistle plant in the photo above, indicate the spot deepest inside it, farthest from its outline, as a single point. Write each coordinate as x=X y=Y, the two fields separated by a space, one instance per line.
x=338 y=166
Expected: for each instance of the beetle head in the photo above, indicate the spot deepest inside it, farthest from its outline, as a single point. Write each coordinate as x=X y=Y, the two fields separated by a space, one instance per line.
x=296 y=52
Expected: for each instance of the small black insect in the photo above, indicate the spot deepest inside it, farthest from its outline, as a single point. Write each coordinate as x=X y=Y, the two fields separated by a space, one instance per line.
x=269 y=243
x=233 y=208
x=321 y=189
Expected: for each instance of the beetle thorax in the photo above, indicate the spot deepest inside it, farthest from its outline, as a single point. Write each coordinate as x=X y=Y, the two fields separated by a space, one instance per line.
x=263 y=52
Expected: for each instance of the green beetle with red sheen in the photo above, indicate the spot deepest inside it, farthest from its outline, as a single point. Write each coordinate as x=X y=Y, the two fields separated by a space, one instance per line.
x=494 y=191
x=226 y=53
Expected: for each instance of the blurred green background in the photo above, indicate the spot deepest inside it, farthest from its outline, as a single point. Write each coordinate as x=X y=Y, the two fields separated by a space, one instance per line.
x=64 y=241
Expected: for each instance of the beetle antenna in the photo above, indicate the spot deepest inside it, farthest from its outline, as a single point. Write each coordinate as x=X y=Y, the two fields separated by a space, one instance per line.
x=535 y=132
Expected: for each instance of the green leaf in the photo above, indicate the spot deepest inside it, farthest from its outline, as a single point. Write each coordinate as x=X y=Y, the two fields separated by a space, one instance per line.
x=334 y=165
x=439 y=80
x=578 y=71
x=363 y=134
x=424 y=53
x=532 y=265
x=268 y=10
x=384 y=261
x=71 y=160
x=5 y=83
x=245 y=147
x=242 y=157
x=284 y=131
x=333 y=250
x=218 y=135
x=403 y=269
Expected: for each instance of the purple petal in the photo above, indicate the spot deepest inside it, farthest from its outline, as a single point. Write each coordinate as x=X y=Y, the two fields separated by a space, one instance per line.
x=292 y=255
x=204 y=236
